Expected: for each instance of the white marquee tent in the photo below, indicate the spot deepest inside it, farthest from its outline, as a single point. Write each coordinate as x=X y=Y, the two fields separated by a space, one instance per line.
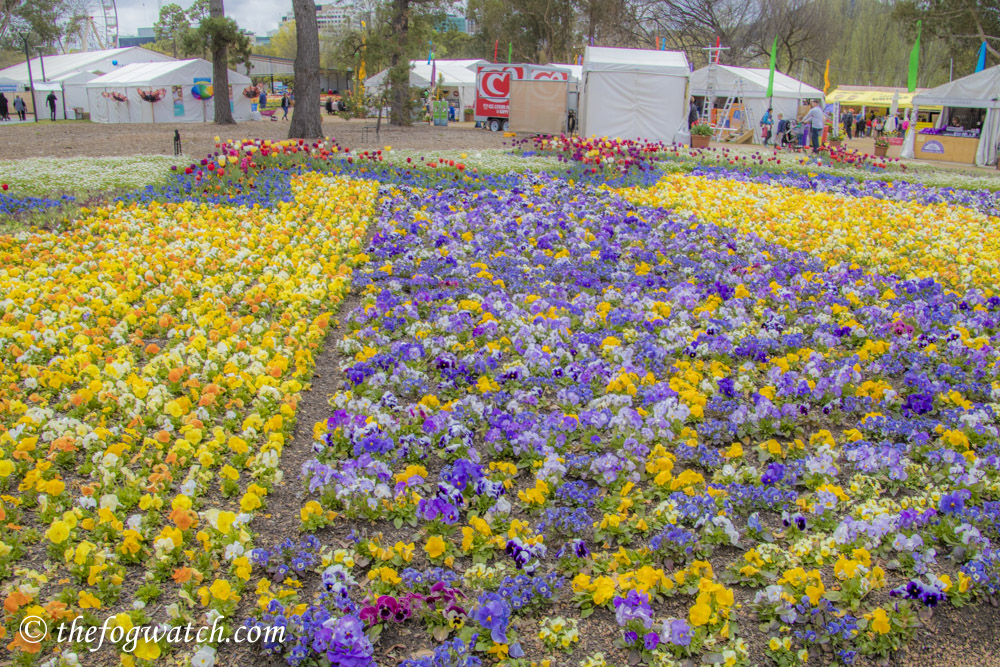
x=72 y=71
x=575 y=71
x=179 y=104
x=634 y=93
x=976 y=91
x=454 y=76
x=70 y=89
x=751 y=83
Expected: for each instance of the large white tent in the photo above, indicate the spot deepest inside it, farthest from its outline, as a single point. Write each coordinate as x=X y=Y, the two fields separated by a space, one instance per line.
x=73 y=89
x=72 y=71
x=976 y=91
x=751 y=83
x=634 y=93
x=456 y=77
x=575 y=71
x=179 y=104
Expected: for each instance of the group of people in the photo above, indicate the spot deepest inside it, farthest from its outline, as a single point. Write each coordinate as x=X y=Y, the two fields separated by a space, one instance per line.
x=286 y=103
x=19 y=107
x=334 y=105
x=812 y=122
x=22 y=109
x=857 y=124
x=812 y=119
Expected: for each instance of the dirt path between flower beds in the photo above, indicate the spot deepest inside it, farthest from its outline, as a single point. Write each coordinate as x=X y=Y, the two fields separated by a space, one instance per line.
x=76 y=138
x=281 y=521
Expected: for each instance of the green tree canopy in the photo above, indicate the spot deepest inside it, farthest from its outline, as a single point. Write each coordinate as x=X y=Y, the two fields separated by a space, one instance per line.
x=172 y=27
x=39 y=19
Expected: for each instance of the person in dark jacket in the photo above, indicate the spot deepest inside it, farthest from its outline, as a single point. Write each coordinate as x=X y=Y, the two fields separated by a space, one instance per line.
x=284 y=107
x=693 y=114
x=51 y=101
x=4 y=110
x=847 y=118
x=262 y=100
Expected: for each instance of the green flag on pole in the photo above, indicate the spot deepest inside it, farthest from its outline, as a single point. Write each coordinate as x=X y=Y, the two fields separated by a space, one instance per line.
x=774 y=61
x=510 y=51
x=914 y=63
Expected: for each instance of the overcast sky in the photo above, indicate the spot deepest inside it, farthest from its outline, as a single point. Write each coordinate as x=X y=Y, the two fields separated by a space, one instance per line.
x=259 y=16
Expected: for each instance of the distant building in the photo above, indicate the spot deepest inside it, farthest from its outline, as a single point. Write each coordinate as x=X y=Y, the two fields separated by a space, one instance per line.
x=132 y=40
x=335 y=16
x=256 y=40
x=456 y=22
x=142 y=36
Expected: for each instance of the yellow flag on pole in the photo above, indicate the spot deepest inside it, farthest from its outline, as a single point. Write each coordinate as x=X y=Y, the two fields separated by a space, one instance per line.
x=826 y=77
x=361 y=67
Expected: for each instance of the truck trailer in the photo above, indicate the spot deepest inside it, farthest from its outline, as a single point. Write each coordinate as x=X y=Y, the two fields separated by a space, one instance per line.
x=493 y=89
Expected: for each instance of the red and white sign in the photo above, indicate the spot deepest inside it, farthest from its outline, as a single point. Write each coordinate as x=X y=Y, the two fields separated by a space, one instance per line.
x=493 y=86
x=549 y=75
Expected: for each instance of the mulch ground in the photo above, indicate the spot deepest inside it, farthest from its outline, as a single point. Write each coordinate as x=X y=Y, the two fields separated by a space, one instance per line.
x=75 y=138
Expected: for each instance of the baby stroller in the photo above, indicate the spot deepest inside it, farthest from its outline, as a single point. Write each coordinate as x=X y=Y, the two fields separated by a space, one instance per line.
x=786 y=135
x=792 y=139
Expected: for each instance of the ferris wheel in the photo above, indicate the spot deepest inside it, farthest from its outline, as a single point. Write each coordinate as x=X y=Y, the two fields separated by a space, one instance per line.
x=91 y=25
x=102 y=25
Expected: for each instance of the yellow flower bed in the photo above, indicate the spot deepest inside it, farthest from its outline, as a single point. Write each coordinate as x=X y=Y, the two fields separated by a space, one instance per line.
x=956 y=246
x=151 y=359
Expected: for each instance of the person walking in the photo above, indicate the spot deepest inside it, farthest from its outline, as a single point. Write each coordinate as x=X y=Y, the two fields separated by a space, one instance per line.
x=692 y=114
x=859 y=125
x=20 y=107
x=766 y=123
x=284 y=107
x=51 y=102
x=4 y=111
x=262 y=100
x=814 y=121
x=847 y=118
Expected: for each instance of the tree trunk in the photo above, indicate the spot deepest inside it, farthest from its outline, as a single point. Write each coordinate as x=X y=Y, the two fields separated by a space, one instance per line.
x=220 y=71
x=399 y=66
x=307 y=122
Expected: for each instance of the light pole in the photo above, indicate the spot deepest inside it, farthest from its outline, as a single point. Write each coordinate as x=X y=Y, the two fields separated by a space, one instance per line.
x=23 y=30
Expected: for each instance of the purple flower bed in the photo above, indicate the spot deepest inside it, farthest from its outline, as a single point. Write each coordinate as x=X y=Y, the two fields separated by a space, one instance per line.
x=562 y=399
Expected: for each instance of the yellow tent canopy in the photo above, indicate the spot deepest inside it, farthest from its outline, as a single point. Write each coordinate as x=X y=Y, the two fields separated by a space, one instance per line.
x=873 y=97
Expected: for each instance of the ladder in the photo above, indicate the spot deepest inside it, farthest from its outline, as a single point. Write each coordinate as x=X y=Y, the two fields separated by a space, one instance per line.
x=749 y=122
x=706 y=106
x=709 y=100
x=746 y=115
